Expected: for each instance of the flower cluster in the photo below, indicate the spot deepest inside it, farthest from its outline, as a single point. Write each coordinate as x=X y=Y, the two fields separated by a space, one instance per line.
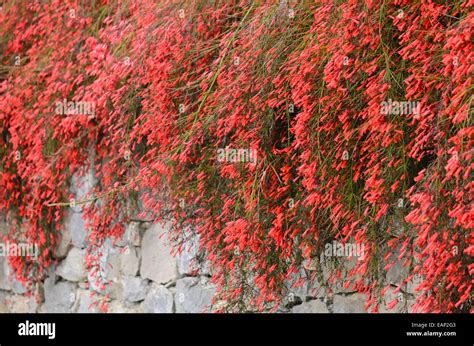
x=302 y=85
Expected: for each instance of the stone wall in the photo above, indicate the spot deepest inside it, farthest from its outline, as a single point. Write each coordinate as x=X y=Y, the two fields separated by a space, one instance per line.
x=141 y=275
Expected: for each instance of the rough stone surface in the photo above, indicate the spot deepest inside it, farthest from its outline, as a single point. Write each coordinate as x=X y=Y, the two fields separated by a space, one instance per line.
x=3 y=225
x=410 y=306
x=3 y=303
x=18 y=287
x=129 y=261
x=72 y=268
x=307 y=287
x=131 y=236
x=413 y=284
x=157 y=263
x=38 y=293
x=82 y=185
x=397 y=273
x=390 y=296
x=135 y=234
x=113 y=265
x=205 y=268
x=5 y=277
x=187 y=261
x=158 y=300
x=330 y=265
x=301 y=290
x=141 y=275
x=84 y=302
x=76 y=226
x=353 y=303
x=58 y=297
x=135 y=288
x=21 y=304
x=94 y=282
x=315 y=289
x=108 y=272
x=120 y=307
x=193 y=295
x=64 y=243
x=312 y=306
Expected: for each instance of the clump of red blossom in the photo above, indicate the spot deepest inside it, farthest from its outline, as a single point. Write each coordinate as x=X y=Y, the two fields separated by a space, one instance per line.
x=300 y=83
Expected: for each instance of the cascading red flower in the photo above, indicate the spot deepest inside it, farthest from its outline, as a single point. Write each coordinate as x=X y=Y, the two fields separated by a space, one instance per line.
x=299 y=84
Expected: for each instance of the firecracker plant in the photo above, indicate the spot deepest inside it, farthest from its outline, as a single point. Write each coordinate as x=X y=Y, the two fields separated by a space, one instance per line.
x=356 y=114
